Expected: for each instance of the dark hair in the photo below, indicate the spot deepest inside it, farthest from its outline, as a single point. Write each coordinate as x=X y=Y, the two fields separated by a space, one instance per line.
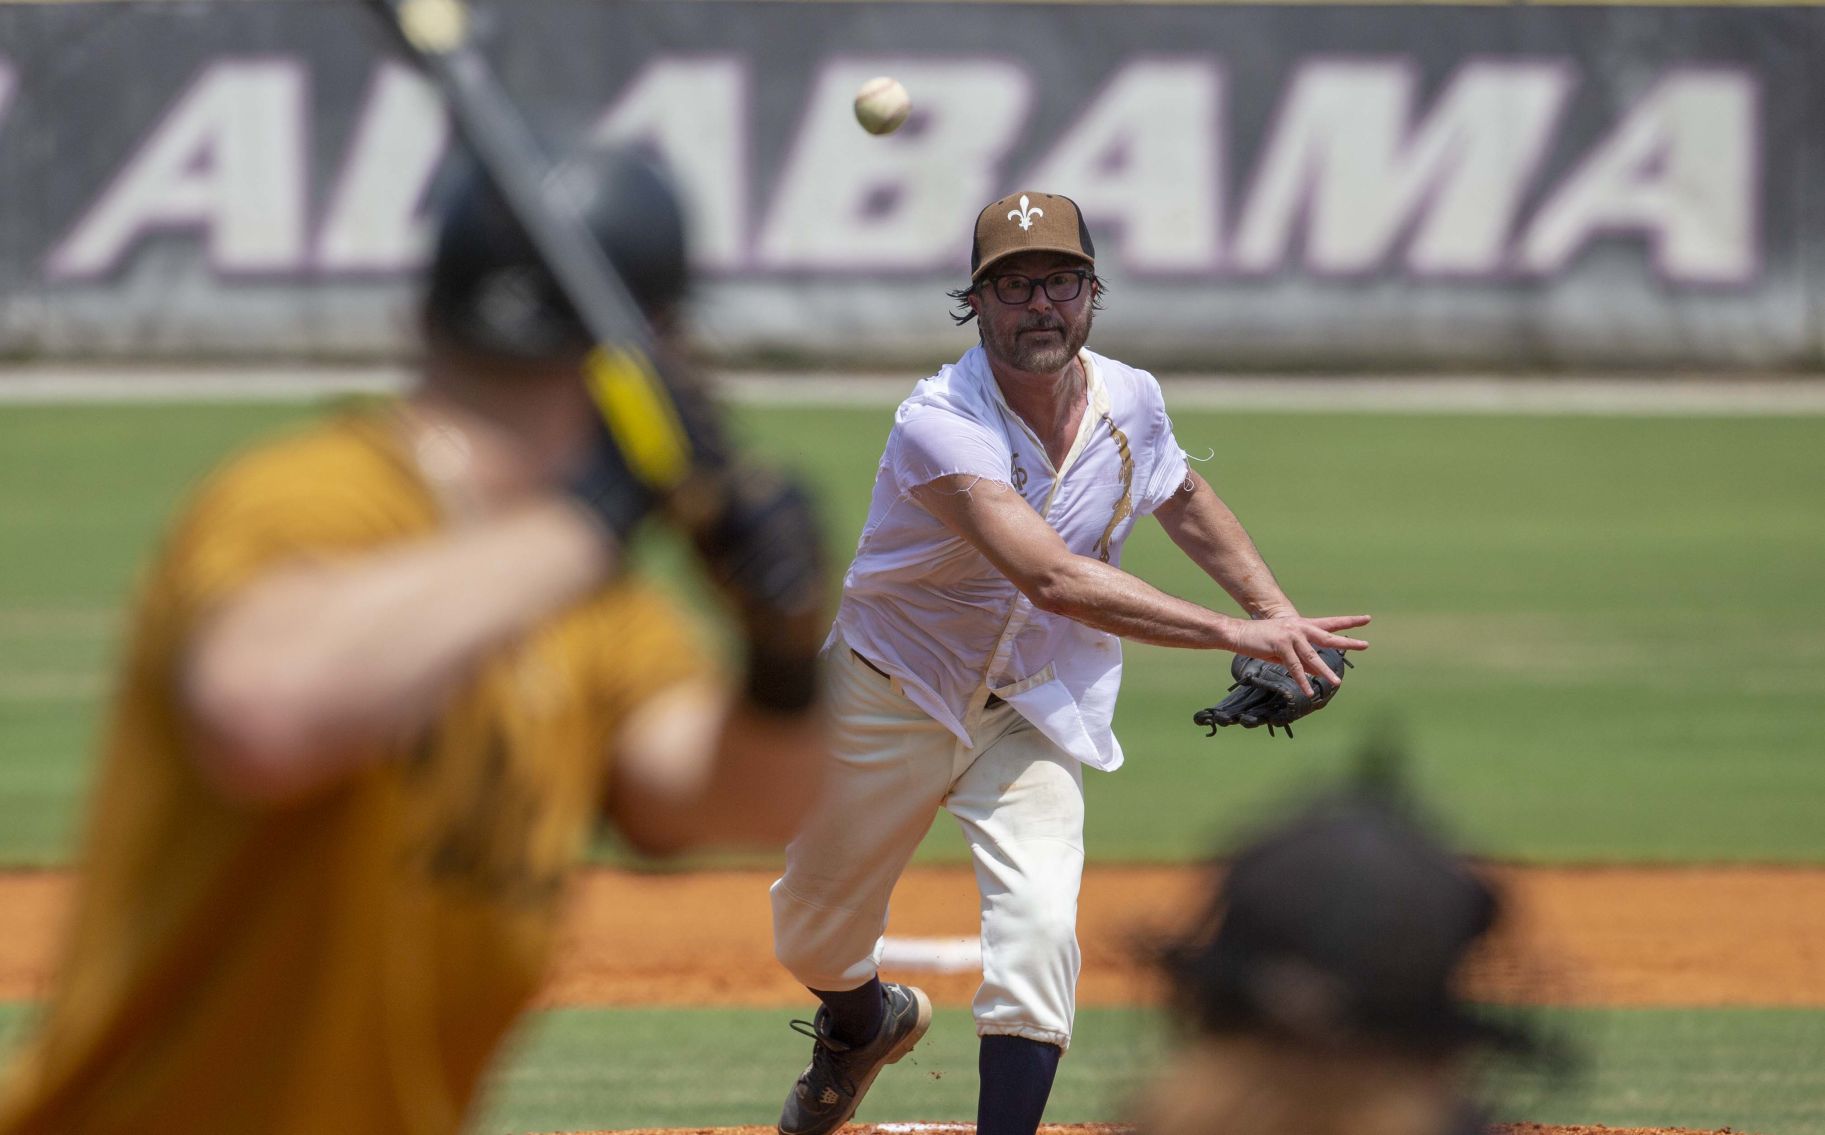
x=963 y=312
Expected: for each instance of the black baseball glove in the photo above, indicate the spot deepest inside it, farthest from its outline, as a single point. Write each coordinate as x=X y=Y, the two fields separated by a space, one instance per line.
x=1265 y=693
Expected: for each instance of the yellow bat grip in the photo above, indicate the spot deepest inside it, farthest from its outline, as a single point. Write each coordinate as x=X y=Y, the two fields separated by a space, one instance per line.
x=640 y=416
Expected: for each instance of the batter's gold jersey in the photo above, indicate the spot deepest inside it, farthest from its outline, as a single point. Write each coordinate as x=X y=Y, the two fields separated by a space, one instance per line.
x=346 y=963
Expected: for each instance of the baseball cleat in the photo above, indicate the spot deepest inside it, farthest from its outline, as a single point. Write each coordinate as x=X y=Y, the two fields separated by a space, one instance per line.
x=833 y=1084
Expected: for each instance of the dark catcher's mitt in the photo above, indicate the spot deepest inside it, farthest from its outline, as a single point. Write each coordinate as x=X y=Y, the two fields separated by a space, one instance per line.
x=1265 y=693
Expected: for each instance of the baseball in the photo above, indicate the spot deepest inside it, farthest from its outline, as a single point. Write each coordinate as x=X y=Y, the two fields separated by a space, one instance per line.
x=882 y=105
x=434 y=25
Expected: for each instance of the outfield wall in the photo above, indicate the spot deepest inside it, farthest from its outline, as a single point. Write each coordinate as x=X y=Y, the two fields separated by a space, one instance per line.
x=1272 y=185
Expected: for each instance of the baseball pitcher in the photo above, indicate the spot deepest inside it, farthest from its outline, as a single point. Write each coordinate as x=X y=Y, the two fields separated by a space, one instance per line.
x=976 y=656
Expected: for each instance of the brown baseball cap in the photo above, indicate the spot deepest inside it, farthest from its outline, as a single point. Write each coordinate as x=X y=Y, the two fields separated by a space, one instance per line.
x=1029 y=222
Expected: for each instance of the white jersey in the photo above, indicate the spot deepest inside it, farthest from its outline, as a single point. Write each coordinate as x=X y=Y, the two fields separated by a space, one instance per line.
x=928 y=608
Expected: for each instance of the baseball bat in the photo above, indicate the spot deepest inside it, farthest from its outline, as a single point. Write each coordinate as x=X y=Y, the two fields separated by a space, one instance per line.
x=639 y=401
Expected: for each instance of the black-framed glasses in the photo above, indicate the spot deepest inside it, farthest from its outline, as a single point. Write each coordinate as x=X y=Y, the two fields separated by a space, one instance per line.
x=1061 y=286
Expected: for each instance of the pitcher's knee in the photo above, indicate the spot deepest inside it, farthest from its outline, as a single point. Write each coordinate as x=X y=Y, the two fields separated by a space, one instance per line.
x=823 y=947
x=1034 y=928
x=1054 y=954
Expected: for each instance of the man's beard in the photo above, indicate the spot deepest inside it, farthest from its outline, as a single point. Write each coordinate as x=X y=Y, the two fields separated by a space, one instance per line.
x=1039 y=354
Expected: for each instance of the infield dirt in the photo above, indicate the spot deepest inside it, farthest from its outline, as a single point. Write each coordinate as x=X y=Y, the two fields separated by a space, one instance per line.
x=1599 y=936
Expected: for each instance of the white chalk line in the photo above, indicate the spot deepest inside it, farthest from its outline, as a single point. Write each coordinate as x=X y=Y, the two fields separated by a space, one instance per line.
x=930 y=955
x=1670 y=396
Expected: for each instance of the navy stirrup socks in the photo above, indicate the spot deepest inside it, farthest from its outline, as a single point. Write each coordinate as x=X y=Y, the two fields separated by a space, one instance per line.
x=855 y=1014
x=1016 y=1080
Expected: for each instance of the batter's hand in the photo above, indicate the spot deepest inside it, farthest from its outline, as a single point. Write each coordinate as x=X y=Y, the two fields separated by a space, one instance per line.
x=764 y=548
x=1293 y=642
x=606 y=481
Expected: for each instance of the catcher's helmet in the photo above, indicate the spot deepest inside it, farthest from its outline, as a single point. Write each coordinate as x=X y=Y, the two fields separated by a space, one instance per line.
x=1346 y=924
x=488 y=291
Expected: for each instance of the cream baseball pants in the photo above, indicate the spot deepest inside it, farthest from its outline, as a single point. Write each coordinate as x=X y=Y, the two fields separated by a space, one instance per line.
x=1020 y=801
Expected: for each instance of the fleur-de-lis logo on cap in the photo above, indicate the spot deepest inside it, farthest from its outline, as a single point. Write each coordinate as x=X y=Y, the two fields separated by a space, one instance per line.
x=1025 y=214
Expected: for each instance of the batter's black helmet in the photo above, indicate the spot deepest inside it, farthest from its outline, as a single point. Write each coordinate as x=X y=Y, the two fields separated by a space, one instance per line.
x=488 y=291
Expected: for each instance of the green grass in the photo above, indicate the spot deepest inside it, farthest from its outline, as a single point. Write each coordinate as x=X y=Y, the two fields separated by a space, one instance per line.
x=578 y=1068
x=1747 y=1069
x=1752 y=1070
x=1596 y=636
